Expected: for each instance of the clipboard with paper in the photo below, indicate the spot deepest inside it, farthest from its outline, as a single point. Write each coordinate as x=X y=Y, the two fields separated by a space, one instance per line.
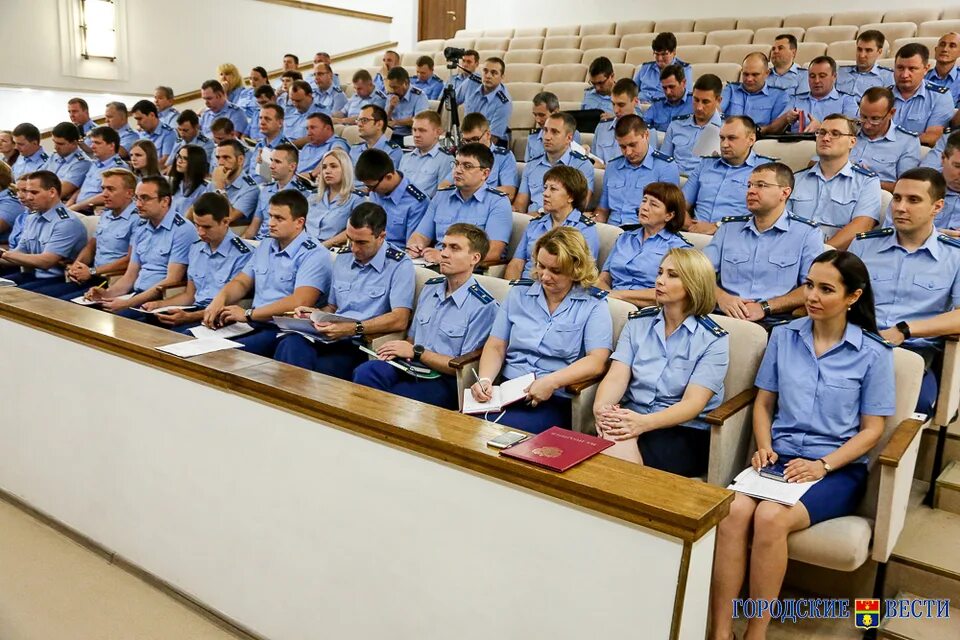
x=415 y=370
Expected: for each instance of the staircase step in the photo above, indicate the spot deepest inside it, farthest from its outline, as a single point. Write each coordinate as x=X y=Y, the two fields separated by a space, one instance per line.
x=928 y=444
x=926 y=560
x=947 y=493
x=919 y=628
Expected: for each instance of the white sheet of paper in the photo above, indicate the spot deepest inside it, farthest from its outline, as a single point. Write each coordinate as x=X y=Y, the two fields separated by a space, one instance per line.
x=92 y=303
x=7 y=283
x=751 y=483
x=502 y=395
x=198 y=347
x=230 y=331
x=320 y=316
x=167 y=309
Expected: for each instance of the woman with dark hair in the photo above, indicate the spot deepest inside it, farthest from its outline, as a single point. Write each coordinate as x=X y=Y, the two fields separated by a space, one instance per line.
x=825 y=387
x=188 y=177
x=143 y=159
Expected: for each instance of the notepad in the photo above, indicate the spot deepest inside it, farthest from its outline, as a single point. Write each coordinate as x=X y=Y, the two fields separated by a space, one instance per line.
x=751 y=483
x=7 y=283
x=234 y=330
x=503 y=395
x=305 y=328
x=93 y=303
x=168 y=309
x=198 y=347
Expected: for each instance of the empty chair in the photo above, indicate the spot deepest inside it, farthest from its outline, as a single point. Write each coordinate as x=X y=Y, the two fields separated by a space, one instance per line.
x=598 y=29
x=491 y=53
x=569 y=30
x=530 y=31
x=623 y=70
x=599 y=42
x=460 y=43
x=928 y=42
x=726 y=71
x=524 y=73
x=936 y=28
x=522 y=91
x=715 y=24
x=526 y=43
x=795 y=155
x=830 y=34
x=697 y=53
x=691 y=37
x=564 y=73
x=499 y=44
x=467 y=33
x=807 y=20
x=760 y=23
x=634 y=26
x=916 y=16
x=522 y=115
x=633 y=40
x=678 y=25
x=561 y=56
x=856 y=17
x=429 y=45
x=570 y=105
x=767 y=35
x=410 y=58
x=733 y=36
x=614 y=55
x=566 y=91
x=639 y=55
x=561 y=42
x=887 y=62
x=523 y=55
x=892 y=30
x=843 y=50
x=737 y=52
x=498 y=33
x=807 y=51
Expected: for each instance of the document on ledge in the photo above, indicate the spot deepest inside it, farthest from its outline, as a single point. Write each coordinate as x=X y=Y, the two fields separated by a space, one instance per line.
x=503 y=394
x=198 y=347
x=751 y=483
x=234 y=330
x=168 y=309
x=93 y=303
x=7 y=283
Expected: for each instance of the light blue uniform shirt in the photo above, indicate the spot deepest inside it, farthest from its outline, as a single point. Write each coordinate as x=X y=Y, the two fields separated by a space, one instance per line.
x=934 y=157
x=10 y=210
x=543 y=223
x=229 y=110
x=114 y=234
x=210 y=271
x=326 y=219
x=200 y=140
x=249 y=105
x=453 y=324
x=593 y=100
x=270 y=189
x=910 y=286
x=949 y=216
x=496 y=106
x=56 y=230
x=465 y=85
x=164 y=137
x=532 y=181
x=682 y=136
x=662 y=367
x=156 y=248
x=72 y=168
x=793 y=80
x=168 y=117
x=17 y=229
x=295 y=121
x=331 y=100
x=951 y=82
x=411 y=103
x=890 y=154
x=128 y=135
x=633 y=261
x=383 y=143
x=504 y=171
x=623 y=184
x=29 y=164
x=181 y=201
x=242 y=193
x=431 y=88
x=756 y=265
x=311 y=154
x=534 y=146
x=856 y=83
x=251 y=163
x=820 y=108
x=487 y=208
x=405 y=207
x=236 y=94
x=662 y=111
x=378 y=82
x=358 y=102
x=541 y=342
x=764 y=106
x=719 y=189
x=93 y=181
x=278 y=273
x=930 y=106
x=820 y=400
x=647 y=78
x=425 y=170
x=852 y=193
x=364 y=291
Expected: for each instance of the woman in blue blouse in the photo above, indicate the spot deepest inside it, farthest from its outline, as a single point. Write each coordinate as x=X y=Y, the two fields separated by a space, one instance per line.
x=336 y=198
x=188 y=177
x=825 y=387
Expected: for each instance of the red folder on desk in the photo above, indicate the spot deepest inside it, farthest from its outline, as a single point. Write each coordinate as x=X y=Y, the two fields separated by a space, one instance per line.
x=557 y=449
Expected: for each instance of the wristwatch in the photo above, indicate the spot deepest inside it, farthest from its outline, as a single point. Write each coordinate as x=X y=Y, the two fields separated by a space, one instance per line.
x=418 y=350
x=359 y=330
x=903 y=328
x=93 y=271
x=765 y=306
x=248 y=314
x=826 y=465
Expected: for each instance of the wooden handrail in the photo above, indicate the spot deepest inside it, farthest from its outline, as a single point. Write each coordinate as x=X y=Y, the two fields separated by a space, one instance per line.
x=324 y=8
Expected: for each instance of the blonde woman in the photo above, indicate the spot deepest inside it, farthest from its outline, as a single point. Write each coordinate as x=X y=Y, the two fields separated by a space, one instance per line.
x=556 y=326
x=336 y=197
x=667 y=372
x=232 y=82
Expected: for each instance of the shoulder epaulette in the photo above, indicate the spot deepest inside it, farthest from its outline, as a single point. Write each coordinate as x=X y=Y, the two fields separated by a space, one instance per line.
x=682 y=63
x=735 y=219
x=240 y=245
x=535 y=158
x=875 y=233
x=953 y=242
x=631 y=227
x=142 y=222
x=496 y=192
x=799 y=171
x=179 y=221
x=342 y=249
x=734 y=84
x=662 y=156
x=309 y=244
x=502 y=97
x=392 y=145
x=480 y=293
x=522 y=282
x=793 y=216
x=770 y=158
x=578 y=155
x=449 y=188
x=416 y=91
x=436 y=280
x=711 y=325
x=801 y=94
x=62 y=213
x=878 y=338
x=598 y=293
x=395 y=254
x=360 y=193
x=861 y=169
x=658 y=99
x=685 y=116
x=907 y=131
x=250 y=181
x=416 y=193
x=119 y=162
x=197 y=241
x=500 y=151
x=337 y=89
x=446 y=152
x=164 y=125
x=272 y=183
x=646 y=312
x=379 y=93
x=475 y=78
x=936 y=88
x=537 y=215
x=79 y=155
x=586 y=220
x=302 y=184
x=202 y=138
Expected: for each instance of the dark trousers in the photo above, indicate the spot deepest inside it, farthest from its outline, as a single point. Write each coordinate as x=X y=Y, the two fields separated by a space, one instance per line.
x=440 y=392
x=338 y=359
x=555 y=412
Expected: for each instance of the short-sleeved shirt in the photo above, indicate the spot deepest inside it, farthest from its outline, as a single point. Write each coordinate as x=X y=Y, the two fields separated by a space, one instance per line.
x=949 y=216
x=888 y=155
x=181 y=201
x=633 y=261
x=496 y=106
x=503 y=173
x=821 y=399
x=114 y=233
x=934 y=157
x=662 y=367
x=327 y=216
x=93 y=181
x=594 y=100
x=717 y=188
x=10 y=210
x=453 y=324
x=541 y=342
x=311 y=154
x=763 y=106
x=432 y=87
x=242 y=193
x=543 y=223
x=930 y=106
x=623 y=184
x=199 y=140
x=647 y=78
x=128 y=136
x=951 y=81
x=853 y=192
x=57 y=231
x=532 y=181
x=425 y=170
x=405 y=207
x=255 y=158
x=759 y=265
x=852 y=81
x=662 y=112
x=820 y=108
x=330 y=100
x=277 y=272
x=164 y=137
x=270 y=189
x=155 y=248
x=534 y=145
x=73 y=168
x=910 y=286
x=682 y=136
x=229 y=110
x=793 y=80
x=363 y=291
x=411 y=103
x=168 y=117
x=357 y=102
x=383 y=143
x=486 y=208
x=210 y=270
x=29 y=164
x=465 y=84
x=295 y=121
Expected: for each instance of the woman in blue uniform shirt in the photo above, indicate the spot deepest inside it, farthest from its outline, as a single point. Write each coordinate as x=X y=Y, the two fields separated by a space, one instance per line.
x=631 y=267
x=556 y=326
x=232 y=82
x=825 y=387
x=667 y=372
x=336 y=197
x=188 y=177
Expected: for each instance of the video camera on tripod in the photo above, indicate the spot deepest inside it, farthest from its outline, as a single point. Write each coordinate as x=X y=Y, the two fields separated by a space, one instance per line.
x=451 y=141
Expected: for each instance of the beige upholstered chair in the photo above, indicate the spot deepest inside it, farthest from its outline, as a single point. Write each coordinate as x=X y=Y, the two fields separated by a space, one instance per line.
x=523 y=91
x=568 y=30
x=843 y=49
x=531 y=42
x=807 y=51
x=807 y=20
x=928 y=41
x=429 y=46
x=795 y=155
x=522 y=116
x=638 y=55
x=737 y=52
x=567 y=91
x=698 y=53
x=528 y=56
x=832 y=33
x=726 y=71
x=730 y=36
x=520 y=222
x=499 y=44
x=561 y=56
x=564 y=73
x=632 y=40
x=461 y=43
x=856 y=17
x=697 y=240
x=768 y=22
x=936 y=28
x=634 y=26
x=599 y=42
x=530 y=31
x=715 y=24
x=498 y=33
x=524 y=72
x=677 y=25
x=691 y=37
x=491 y=53
x=608 y=235
x=598 y=29
x=614 y=55
x=561 y=42
x=948 y=401
x=892 y=30
x=916 y=16
x=468 y=33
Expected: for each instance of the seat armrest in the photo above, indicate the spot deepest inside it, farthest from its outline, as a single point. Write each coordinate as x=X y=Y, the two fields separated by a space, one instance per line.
x=174 y=285
x=730 y=434
x=465 y=359
x=948 y=395
x=578 y=387
x=899 y=443
x=897 y=462
x=738 y=402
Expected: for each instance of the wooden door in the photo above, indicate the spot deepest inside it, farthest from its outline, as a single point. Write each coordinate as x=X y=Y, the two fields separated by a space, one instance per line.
x=440 y=19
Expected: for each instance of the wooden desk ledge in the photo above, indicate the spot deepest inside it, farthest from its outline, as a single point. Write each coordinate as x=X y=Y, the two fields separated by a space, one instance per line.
x=670 y=504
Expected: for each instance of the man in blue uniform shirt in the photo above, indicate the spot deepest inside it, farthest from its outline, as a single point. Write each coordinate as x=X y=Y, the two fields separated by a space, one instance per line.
x=105 y=143
x=118 y=119
x=69 y=162
x=327 y=95
x=217 y=106
x=427 y=163
x=11 y=208
x=50 y=235
x=364 y=93
x=32 y=158
x=322 y=57
x=469 y=201
x=425 y=80
x=627 y=176
x=914 y=271
x=883 y=147
x=373 y=285
x=842 y=197
x=948 y=220
x=229 y=179
x=544 y=104
x=598 y=94
x=503 y=176
x=188 y=132
x=159 y=253
x=161 y=135
x=372 y=127
x=855 y=79
x=557 y=136
x=784 y=72
x=762 y=259
x=454 y=317
x=321 y=139
x=390 y=60
x=684 y=131
x=945 y=72
x=675 y=101
x=805 y=111
x=605 y=147
x=271 y=136
x=493 y=99
x=301 y=105
x=752 y=96
x=288 y=270
x=403 y=102
x=78 y=112
x=467 y=80
x=718 y=186
x=934 y=158
x=921 y=107
x=283 y=170
x=647 y=77
x=163 y=98
x=403 y=203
